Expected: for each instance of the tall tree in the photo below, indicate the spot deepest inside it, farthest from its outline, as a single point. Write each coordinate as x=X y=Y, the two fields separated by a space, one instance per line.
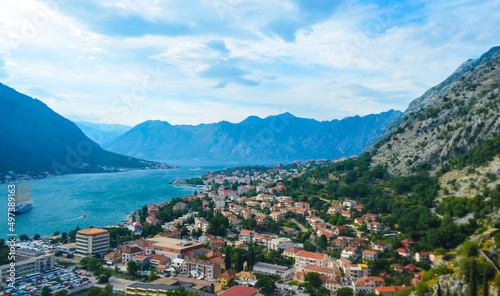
x=107 y=291
x=240 y=259
x=313 y=283
x=473 y=283
x=84 y=262
x=250 y=257
x=94 y=264
x=45 y=291
x=345 y=292
x=227 y=257
x=132 y=268
x=62 y=292
x=322 y=242
x=94 y=291
x=266 y=286
x=485 y=284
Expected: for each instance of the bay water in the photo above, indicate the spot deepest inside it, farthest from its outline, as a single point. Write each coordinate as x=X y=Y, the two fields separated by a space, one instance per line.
x=64 y=202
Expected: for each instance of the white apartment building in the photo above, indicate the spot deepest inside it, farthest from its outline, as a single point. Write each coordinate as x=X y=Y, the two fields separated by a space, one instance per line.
x=92 y=241
x=304 y=258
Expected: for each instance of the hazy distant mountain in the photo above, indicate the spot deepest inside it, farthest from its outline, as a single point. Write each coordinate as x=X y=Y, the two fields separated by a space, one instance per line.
x=35 y=138
x=102 y=133
x=275 y=138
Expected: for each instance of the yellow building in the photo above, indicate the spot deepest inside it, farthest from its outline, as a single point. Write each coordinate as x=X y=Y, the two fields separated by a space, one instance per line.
x=246 y=276
x=157 y=290
x=226 y=277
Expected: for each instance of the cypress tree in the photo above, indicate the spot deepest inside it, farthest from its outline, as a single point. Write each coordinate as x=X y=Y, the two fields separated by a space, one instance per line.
x=485 y=285
x=473 y=284
x=239 y=262
x=227 y=258
x=250 y=258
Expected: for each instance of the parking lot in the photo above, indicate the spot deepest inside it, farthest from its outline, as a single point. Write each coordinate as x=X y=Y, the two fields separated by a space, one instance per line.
x=59 y=278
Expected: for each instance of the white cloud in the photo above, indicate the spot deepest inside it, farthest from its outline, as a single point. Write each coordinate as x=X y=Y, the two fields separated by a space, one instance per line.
x=390 y=59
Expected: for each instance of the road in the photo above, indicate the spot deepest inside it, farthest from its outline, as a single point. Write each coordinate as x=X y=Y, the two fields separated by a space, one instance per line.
x=481 y=253
x=300 y=225
x=313 y=236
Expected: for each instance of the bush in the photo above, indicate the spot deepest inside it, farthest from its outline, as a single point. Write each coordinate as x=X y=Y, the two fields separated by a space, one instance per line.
x=468 y=249
x=440 y=251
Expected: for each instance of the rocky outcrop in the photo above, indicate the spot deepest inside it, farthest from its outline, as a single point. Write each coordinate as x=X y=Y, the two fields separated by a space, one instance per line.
x=464 y=116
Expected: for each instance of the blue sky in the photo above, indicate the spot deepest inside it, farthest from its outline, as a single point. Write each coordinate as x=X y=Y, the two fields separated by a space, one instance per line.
x=211 y=60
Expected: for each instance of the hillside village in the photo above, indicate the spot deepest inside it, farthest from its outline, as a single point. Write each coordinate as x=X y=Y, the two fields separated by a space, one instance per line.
x=264 y=232
x=274 y=230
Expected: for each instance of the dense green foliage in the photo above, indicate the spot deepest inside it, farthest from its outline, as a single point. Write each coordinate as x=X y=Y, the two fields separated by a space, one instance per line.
x=266 y=285
x=405 y=201
x=97 y=291
x=480 y=155
x=133 y=267
x=4 y=253
x=314 y=286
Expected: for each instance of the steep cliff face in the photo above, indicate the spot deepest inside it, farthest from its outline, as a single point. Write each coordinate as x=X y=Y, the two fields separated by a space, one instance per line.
x=439 y=90
x=456 y=121
x=434 y=93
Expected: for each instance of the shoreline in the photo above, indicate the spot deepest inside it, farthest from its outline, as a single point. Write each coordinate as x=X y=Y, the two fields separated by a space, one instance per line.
x=41 y=176
x=119 y=220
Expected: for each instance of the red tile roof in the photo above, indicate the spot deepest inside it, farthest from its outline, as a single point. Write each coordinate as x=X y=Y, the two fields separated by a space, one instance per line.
x=292 y=250
x=311 y=255
x=389 y=289
x=240 y=291
x=227 y=274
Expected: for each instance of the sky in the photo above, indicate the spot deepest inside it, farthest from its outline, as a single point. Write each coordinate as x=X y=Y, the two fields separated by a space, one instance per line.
x=203 y=61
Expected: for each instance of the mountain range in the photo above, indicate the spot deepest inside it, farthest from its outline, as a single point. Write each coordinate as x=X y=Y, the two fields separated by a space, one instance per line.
x=282 y=137
x=35 y=138
x=448 y=121
x=102 y=133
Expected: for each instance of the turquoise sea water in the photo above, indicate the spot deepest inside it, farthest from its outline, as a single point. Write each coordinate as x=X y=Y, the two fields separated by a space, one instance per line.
x=59 y=203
